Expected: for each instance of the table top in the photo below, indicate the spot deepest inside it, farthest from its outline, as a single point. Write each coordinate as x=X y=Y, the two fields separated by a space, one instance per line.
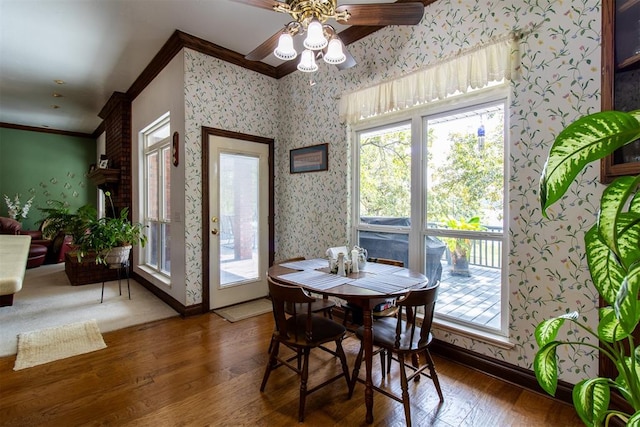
x=373 y=282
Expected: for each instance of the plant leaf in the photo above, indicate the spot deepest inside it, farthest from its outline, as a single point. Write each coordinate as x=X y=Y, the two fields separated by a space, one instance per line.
x=589 y=138
x=609 y=329
x=628 y=239
x=627 y=306
x=545 y=365
x=547 y=330
x=606 y=272
x=591 y=400
x=634 y=421
x=612 y=202
x=621 y=382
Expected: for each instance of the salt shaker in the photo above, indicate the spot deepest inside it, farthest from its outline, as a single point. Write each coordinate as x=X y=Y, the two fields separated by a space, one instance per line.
x=354 y=260
x=341 y=271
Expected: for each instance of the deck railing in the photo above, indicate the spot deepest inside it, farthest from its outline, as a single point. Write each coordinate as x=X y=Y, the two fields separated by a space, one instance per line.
x=484 y=252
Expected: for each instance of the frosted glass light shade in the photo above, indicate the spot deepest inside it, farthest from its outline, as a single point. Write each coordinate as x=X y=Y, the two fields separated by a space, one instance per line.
x=334 y=54
x=315 y=37
x=285 y=50
x=308 y=62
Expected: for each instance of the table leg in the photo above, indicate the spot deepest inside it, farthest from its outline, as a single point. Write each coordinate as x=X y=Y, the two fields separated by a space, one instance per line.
x=367 y=342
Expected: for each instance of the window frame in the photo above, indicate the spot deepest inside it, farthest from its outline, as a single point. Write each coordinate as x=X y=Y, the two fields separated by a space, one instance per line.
x=418 y=230
x=159 y=148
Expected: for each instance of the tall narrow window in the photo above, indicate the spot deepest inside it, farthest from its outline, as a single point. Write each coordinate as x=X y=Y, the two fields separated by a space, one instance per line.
x=157 y=191
x=464 y=211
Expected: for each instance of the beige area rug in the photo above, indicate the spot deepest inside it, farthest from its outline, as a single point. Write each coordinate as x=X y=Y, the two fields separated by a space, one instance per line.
x=46 y=345
x=48 y=300
x=245 y=310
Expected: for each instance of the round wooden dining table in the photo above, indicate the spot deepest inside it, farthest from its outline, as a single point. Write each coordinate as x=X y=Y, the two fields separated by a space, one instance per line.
x=365 y=289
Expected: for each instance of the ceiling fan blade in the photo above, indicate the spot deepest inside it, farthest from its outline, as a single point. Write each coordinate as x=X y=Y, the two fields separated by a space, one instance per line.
x=265 y=49
x=265 y=4
x=383 y=13
x=348 y=63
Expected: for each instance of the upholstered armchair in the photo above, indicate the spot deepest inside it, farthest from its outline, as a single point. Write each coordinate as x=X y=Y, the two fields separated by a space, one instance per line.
x=57 y=246
x=9 y=226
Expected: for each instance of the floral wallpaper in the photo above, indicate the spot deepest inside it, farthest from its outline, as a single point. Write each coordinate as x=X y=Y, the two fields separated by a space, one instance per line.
x=559 y=81
x=224 y=96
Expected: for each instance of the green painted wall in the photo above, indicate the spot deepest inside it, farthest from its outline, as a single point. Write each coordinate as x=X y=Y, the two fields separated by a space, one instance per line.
x=46 y=166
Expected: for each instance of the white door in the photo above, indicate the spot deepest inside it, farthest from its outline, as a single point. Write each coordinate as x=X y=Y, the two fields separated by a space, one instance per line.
x=239 y=215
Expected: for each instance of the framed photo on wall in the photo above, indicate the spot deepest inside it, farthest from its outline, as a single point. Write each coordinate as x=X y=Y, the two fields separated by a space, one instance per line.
x=309 y=159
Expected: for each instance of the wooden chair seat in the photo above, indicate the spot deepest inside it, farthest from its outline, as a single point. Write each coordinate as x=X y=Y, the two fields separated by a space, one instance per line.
x=301 y=331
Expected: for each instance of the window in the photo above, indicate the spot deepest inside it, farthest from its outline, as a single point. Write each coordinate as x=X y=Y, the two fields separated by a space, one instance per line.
x=429 y=190
x=157 y=196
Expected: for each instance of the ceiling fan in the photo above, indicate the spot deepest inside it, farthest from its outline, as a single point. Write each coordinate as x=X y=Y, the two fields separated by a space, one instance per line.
x=310 y=16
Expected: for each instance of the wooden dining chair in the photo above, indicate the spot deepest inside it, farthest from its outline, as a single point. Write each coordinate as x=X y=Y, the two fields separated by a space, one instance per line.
x=408 y=337
x=321 y=305
x=302 y=331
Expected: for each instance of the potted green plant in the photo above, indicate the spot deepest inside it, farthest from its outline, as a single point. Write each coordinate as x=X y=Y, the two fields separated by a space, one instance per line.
x=111 y=238
x=59 y=219
x=613 y=256
x=460 y=247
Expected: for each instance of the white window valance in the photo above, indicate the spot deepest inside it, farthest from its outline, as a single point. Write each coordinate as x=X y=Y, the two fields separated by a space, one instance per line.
x=471 y=69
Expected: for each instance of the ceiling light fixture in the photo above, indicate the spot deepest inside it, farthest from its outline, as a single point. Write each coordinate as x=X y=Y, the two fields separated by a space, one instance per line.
x=318 y=38
x=56 y=95
x=311 y=16
x=59 y=82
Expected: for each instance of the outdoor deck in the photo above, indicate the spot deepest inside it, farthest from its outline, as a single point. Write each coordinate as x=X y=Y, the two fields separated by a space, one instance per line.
x=474 y=298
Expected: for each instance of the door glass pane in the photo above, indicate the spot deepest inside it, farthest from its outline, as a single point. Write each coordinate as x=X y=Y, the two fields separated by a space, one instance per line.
x=385 y=174
x=238 y=218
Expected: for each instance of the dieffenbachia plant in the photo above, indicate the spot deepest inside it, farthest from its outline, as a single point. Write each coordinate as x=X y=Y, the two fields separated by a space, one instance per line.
x=613 y=256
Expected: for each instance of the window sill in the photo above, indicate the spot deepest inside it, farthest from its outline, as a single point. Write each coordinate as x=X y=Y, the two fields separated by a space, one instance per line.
x=154 y=277
x=493 y=338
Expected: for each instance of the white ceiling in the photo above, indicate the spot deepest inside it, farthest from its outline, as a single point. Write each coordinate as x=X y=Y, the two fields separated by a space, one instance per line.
x=100 y=46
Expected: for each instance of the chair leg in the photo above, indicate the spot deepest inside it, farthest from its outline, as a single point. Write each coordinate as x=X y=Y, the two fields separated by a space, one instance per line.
x=383 y=354
x=356 y=370
x=343 y=362
x=303 y=384
x=405 y=390
x=271 y=363
x=434 y=375
x=389 y=358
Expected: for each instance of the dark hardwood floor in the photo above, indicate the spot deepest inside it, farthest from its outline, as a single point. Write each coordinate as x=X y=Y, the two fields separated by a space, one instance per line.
x=204 y=370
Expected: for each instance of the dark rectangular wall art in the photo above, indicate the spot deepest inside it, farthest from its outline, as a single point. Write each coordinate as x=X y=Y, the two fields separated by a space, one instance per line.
x=309 y=159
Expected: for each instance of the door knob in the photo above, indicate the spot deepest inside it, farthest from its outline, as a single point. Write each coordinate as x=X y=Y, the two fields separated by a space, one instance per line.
x=214 y=219
x=214 y=231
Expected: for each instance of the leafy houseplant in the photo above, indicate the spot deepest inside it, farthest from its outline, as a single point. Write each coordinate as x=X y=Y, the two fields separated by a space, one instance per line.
x=459 y=247
x=60 y=219
x=107 y=234
x=613 y=256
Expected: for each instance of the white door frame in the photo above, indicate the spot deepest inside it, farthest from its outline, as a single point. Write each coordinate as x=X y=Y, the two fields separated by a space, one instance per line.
x=206 y=224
